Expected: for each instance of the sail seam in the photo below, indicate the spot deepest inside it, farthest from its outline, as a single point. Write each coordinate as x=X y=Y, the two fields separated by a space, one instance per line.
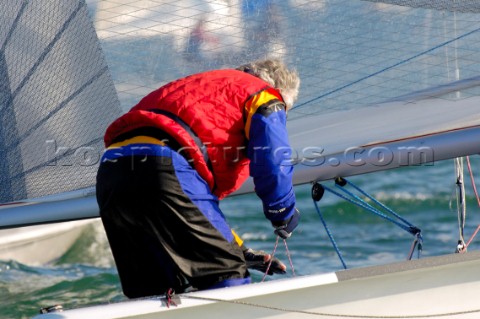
x=47 y=163
x=47 y=50
x=14 y=25
x=58 y=108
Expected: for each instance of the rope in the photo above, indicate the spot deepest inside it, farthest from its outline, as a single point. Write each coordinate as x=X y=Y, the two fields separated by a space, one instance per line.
x=367 y=206
x=330 y=236
x=289 y=257
x=476 y=196
x=473 y=180
x=273 y=254
x=169 y=297
x=271 y=259
x=356 y=200
x=407 y=226
x=326 y=314
x=410 y=226
x=417 y=242
x=473 y=236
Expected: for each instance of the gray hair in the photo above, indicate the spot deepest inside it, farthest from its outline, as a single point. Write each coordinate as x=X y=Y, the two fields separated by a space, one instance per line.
x=276 y=73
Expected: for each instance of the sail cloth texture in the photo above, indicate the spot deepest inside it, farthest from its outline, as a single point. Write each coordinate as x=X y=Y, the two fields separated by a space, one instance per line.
x=449 y=5
x=56 y=98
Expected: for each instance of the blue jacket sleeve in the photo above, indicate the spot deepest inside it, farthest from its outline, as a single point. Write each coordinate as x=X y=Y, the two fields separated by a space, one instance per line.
x=271 y=165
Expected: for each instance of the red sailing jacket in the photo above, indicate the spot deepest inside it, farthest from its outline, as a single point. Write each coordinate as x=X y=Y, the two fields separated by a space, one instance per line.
x=213 y=105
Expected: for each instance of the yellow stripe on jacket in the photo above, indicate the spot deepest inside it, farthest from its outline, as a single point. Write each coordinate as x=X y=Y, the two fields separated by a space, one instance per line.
x=137 y=140
x=252 y=105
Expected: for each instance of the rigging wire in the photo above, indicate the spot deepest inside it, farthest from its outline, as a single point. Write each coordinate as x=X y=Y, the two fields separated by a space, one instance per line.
x=385 y=69
x=461 y=205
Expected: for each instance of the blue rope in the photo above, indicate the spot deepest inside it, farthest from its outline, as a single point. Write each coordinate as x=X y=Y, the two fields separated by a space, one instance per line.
x=361 y=203
x=332 y=240
x=407 y=226
x=379 y=203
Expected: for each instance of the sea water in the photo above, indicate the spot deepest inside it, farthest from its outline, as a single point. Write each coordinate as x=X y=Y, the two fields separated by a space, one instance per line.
x=423 y=195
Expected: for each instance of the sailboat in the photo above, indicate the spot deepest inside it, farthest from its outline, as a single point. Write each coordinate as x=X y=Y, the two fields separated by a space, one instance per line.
x=49 y=134
x=385 y=85
x=39 y=245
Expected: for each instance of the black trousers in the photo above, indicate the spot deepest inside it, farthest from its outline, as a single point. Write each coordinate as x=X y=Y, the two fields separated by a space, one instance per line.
x=160 y=239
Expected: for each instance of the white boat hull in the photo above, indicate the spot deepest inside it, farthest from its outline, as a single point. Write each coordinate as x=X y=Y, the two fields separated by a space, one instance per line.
x=437 y=287
x=36 y=245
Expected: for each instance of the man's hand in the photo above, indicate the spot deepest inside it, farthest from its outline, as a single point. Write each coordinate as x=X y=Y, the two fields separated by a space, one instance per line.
x=284 y=229
x=259 y=260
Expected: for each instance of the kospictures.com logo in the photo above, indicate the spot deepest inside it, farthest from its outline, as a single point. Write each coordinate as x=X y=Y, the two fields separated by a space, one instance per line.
x=308 y=156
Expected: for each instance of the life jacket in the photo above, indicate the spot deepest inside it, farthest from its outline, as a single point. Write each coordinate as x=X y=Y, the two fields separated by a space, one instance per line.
x=210 y=106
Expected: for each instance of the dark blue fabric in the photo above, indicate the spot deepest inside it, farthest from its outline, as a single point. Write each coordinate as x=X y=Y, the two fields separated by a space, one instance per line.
x=191 y=182
x=199 y=192
x=271 y=165
x=136 y=150
x=232 y=282
x=285 y=231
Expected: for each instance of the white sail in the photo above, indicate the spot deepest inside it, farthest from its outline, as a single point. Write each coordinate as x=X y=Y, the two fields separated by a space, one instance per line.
x=56 y=99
